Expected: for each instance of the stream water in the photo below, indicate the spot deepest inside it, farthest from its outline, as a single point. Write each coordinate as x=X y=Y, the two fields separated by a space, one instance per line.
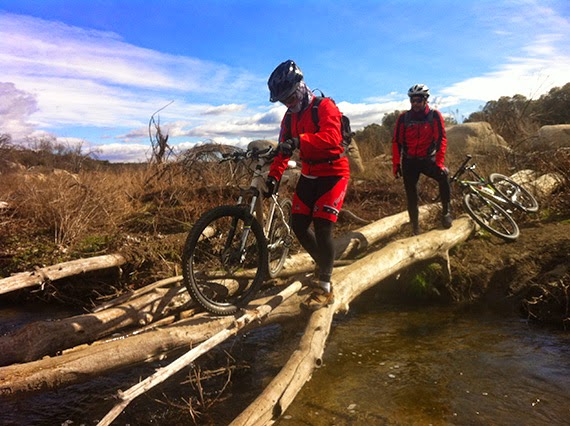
x=384 y=364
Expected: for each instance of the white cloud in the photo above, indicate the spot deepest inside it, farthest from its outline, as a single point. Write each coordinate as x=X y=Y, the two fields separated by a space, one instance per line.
x=530 y=77
x=91 y=78
x=16 y=107
x=132 y=153
x=543 y=63
x=58 y=78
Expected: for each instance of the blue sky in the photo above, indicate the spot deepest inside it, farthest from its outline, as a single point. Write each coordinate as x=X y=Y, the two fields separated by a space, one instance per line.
x=93 y=72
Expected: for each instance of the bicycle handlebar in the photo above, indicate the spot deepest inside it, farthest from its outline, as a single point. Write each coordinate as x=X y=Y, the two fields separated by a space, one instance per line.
x=250 y=153
x=461 y=168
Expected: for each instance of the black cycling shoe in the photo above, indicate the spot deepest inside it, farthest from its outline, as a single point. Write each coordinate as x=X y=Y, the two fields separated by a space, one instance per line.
x=415 y=229
x=447 y=220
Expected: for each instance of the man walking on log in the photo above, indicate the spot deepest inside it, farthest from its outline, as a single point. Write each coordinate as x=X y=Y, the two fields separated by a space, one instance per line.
x=418 y=147
x=325 y=172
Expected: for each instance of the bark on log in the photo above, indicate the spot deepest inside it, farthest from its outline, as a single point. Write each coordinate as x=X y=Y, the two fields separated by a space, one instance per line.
x=52 y=273
x=349 y=283
x=88 y=361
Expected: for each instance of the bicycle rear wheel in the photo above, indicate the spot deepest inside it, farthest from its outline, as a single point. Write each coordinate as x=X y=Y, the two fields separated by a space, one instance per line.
x=280 y=238
x=224 y=261
x=491 y=216
x=517 y=195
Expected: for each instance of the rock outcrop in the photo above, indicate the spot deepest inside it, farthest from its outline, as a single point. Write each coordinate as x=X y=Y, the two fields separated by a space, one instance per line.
x=473 y=138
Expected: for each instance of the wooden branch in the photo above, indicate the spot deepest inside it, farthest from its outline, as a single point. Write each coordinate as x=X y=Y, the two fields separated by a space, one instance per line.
x=137 y=293
x=61 y=270
x=165 y=372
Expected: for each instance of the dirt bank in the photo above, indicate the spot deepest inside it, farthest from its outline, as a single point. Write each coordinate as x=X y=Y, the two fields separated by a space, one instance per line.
x=531 y=274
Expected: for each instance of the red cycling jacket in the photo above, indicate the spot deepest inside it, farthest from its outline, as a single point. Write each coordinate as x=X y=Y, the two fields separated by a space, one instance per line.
x=419 y=138
x=316 y=145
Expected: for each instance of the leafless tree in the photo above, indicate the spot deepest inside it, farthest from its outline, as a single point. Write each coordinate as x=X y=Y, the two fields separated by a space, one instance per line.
x=159 y=142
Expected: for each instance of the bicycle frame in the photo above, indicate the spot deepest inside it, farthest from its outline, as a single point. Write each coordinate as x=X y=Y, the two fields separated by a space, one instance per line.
x=483 y=203
x=254 y=193
x=480 y=185
x=252 y=198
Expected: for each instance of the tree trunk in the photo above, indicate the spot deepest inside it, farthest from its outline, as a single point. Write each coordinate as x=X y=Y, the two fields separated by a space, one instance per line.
x=41 y=338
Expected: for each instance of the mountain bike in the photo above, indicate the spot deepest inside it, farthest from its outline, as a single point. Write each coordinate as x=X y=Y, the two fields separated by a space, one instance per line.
x=483 y=200
x=232 y=249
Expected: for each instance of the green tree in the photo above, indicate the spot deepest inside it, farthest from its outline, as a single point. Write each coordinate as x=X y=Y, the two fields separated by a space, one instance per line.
x=371 y=140
x=554 y=107
x=511 y=117
x=389 y=121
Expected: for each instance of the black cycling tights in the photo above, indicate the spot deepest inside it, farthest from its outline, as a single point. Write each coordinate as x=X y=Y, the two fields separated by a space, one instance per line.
x=318 y=243
x=411 y=171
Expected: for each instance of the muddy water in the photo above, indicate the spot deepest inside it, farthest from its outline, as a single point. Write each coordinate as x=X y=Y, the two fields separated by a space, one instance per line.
x=384 y=364
x=397 y=365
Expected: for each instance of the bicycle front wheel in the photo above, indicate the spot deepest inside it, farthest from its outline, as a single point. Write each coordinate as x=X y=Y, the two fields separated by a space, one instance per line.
x=517 y=195
x=280 y=238
x=224 y=261
x=491 y=216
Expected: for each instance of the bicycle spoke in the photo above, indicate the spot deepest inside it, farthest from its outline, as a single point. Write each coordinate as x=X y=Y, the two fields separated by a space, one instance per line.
x=280 y=238
x=491 y=216
x=517 y=195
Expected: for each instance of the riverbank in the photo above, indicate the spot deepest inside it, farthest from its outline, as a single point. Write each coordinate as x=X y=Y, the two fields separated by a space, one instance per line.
x=531 y=274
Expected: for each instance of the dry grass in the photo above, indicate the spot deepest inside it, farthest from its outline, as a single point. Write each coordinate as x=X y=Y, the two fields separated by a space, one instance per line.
x=55 y=216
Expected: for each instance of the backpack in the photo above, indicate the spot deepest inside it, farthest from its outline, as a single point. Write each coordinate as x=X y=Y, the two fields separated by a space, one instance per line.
x=348 y=143
x=345 y=129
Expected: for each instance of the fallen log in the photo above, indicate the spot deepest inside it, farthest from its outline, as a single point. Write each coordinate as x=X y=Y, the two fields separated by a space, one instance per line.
x=165 y=372
x=86 y=362
x=41 y=276
x=353 y=243
x=40 y=338
x=349 y=283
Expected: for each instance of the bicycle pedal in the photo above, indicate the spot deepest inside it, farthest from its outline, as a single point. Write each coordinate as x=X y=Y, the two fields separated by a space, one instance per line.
x=288 y=241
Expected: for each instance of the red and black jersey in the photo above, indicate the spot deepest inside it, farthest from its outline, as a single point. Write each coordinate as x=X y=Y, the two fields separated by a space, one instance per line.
x=316 y=144
x=420 y=136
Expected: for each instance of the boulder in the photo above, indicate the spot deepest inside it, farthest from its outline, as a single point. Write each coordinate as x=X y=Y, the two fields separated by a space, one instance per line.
x=553 y=137
x=474 y=138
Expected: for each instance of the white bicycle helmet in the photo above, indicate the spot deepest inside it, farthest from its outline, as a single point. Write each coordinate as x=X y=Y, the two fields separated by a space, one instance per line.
x=419 y=90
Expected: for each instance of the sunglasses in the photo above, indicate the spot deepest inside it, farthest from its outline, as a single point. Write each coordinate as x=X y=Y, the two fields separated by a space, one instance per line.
x=416 y=100
x=290 y=100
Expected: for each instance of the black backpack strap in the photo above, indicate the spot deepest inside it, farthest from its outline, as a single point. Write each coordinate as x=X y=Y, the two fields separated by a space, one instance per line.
x=286 y=129
x=325 y=160
x=436 y=144
x=315 y=111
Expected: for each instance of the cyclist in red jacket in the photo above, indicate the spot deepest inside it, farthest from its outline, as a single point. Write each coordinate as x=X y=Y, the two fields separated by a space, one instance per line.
x=325 y=172
x=418 y=147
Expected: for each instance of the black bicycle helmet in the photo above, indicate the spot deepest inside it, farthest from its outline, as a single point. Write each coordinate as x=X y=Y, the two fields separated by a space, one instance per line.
x=419 y=90
x=284 y=80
